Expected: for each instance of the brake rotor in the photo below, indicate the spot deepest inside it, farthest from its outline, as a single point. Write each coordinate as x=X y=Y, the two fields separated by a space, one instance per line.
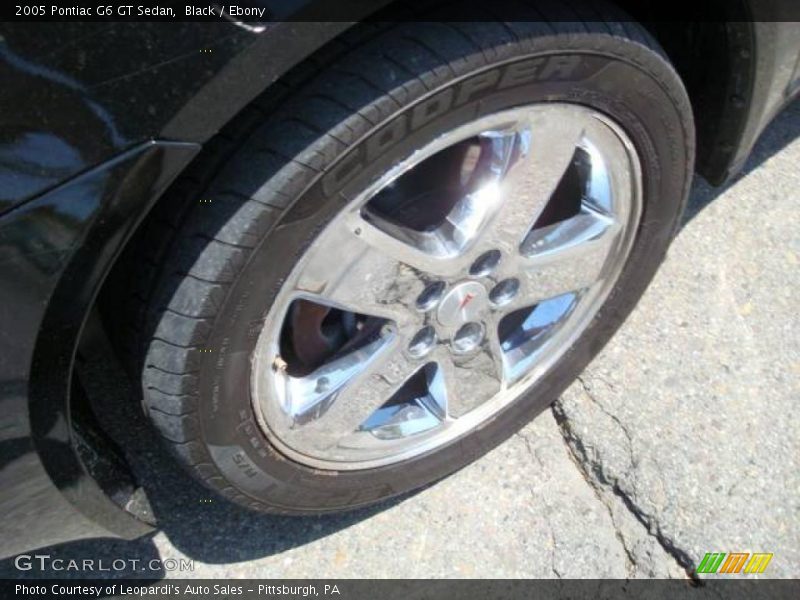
x=310 y=343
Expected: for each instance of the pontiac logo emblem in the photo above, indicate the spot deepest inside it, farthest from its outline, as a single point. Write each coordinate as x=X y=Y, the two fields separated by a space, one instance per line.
x=464 y=302
x=467 y=299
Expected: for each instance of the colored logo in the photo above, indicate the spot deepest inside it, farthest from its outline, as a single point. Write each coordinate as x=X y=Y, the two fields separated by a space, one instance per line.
x=467 y=299
x=734 y=562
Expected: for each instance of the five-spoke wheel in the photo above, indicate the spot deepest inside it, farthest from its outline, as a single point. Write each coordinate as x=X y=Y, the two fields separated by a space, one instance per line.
x=445 y=289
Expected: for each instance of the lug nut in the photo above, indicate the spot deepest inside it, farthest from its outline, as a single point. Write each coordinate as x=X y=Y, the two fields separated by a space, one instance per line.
x=485 y=263
x=468 y=337
x=422 y=342
x=430 y=296
x=504 y=291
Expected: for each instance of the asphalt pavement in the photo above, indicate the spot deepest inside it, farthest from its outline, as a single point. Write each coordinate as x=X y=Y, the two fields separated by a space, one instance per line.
x=681 y=438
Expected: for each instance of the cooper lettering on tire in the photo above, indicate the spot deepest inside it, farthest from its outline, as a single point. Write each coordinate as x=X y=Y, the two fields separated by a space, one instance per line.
x=471 y=89
x=407 y=256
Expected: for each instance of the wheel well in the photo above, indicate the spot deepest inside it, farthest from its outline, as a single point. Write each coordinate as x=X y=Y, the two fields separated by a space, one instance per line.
x=714 y=55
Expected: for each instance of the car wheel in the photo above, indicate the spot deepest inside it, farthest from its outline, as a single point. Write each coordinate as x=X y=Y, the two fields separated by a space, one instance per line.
x=407 y=256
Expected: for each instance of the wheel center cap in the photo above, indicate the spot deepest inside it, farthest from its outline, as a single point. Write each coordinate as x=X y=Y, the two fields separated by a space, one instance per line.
x=464 y=303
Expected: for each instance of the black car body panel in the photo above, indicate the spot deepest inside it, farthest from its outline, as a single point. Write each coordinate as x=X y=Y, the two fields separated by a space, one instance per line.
x=54 y=253
x=97 y=120
x=81 y=95
x=776 y=81
x=78 y=171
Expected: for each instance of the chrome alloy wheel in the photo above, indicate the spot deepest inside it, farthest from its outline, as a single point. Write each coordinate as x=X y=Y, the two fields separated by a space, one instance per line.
x=447 y=288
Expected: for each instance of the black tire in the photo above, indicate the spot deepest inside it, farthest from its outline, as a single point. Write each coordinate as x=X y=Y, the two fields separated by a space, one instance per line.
x=220 y=244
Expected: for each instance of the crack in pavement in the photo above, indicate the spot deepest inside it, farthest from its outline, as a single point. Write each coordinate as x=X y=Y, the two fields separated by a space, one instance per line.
x=588 y=391
x=535 y=455
x=629 y=556
x=553 y=554
x=630 y=559
x=596 y=477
